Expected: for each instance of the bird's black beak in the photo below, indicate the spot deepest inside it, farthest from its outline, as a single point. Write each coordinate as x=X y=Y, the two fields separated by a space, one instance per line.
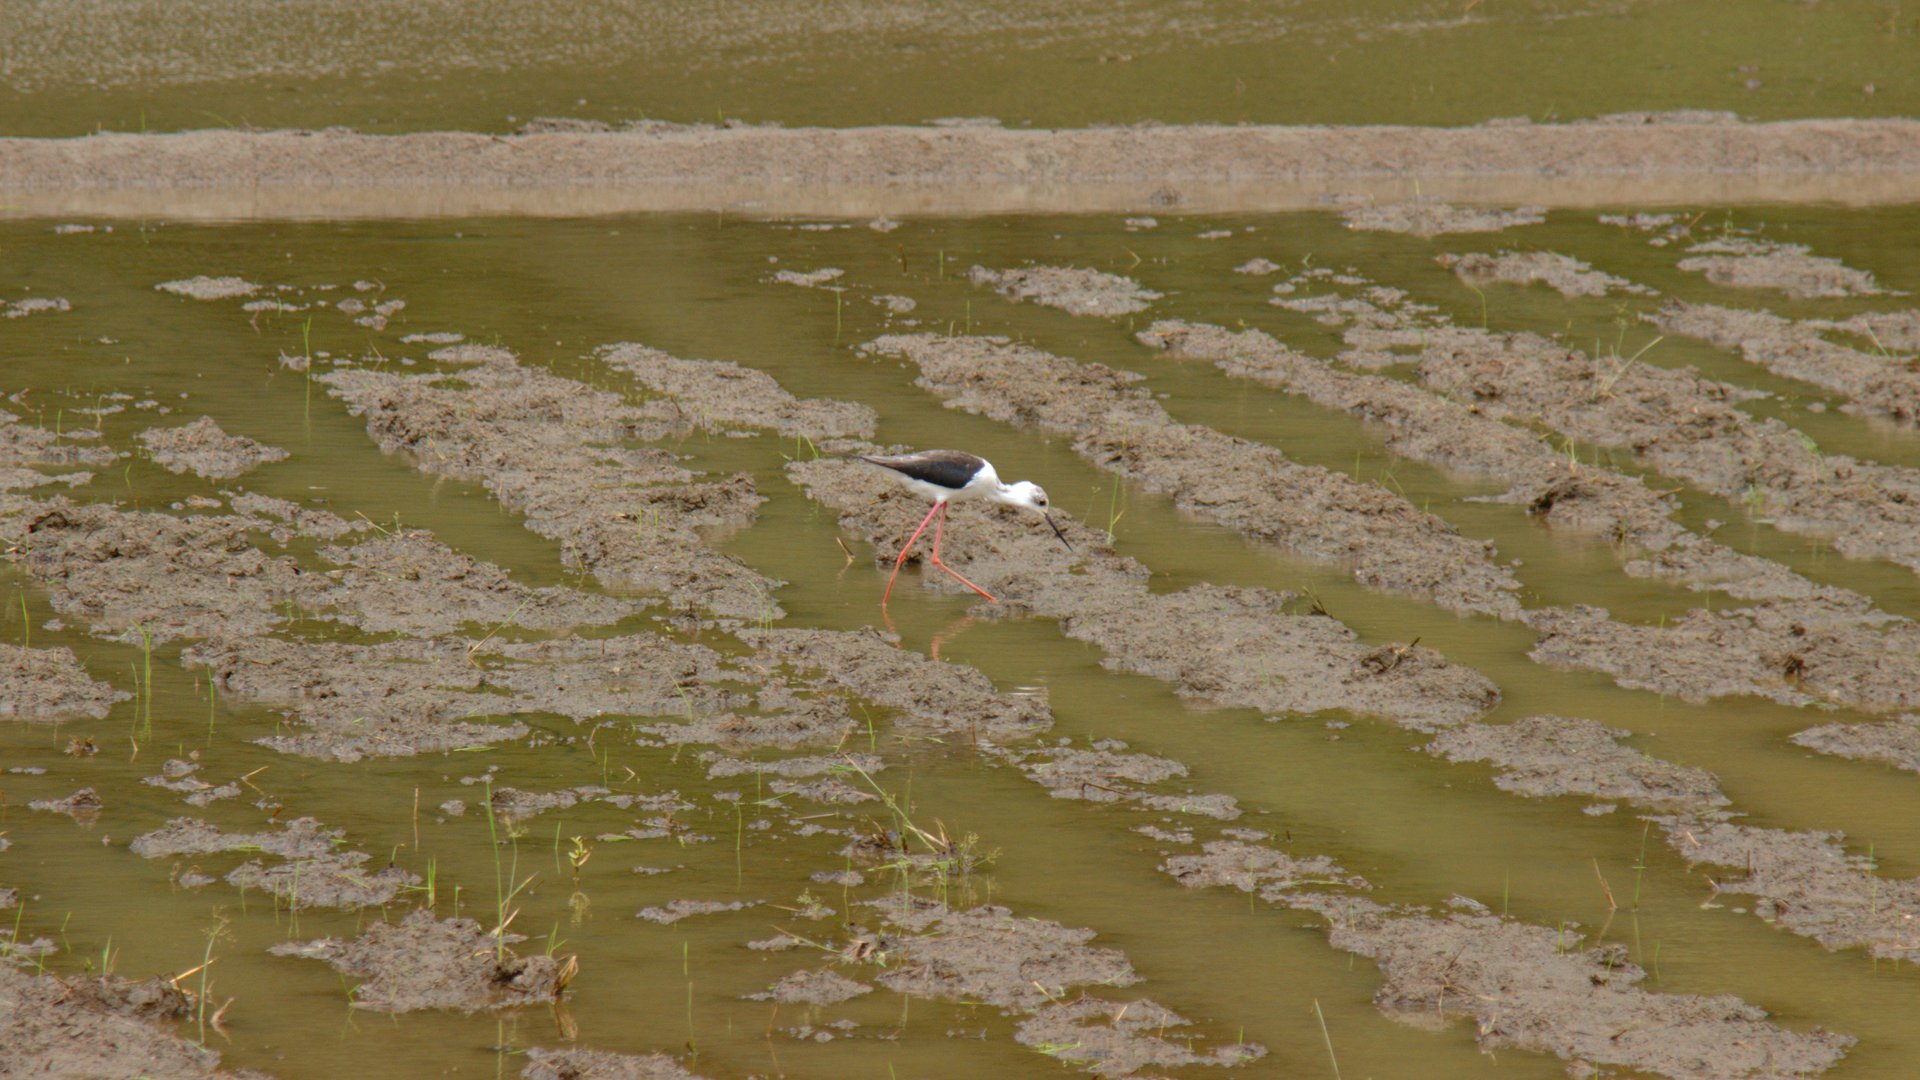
x=1056 y=529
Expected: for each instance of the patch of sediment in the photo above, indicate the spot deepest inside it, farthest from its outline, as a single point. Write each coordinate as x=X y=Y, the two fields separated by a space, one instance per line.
x=1563 y=274
x=1553 y=755
x=1896 y=742
x=1255 y=489
x=579 y=1063
x=1428 y=219
x=1074 y=290
x=1750 y=263
x=422 y=962
x=555 y=451
x=203 y=449
x=860 y=172
x=54 y=1025
x=1882 y=384
x=312 y=870
x=49 y=685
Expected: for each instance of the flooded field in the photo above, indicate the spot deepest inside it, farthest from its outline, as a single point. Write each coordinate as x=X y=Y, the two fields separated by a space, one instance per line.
x=456 y=646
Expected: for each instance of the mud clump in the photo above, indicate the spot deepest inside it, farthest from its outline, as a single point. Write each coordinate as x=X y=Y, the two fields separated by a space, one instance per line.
x=578 y=1063
x=410 y=582
x=55 y=1026
x=1553 y=755
x=1747 y=263
x=210 y=288
x=82 y=806
x=49 y=685
x=1074 y=290
x=1254 y=489
x=1114 y=1038
x=1563 y=274
x=1435 y=219
x=1896 y=742
x=555 y=450
x=935 y=698
x=426 y=963
x=808 y=280
x=202 y=449
x=33 y=305
x=1875 y=384
x=1807 y=883
x=813 y=987
x=1109 y=775
x=395 y=699
x=740 y=395
x=1252 y=868
x=1529 y=988
x=313 y=870
x=988 y=955
x=172 y=577
x=675 y=910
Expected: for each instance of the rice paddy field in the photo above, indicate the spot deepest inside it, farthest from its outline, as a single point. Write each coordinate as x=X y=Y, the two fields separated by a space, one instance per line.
x=442 y=642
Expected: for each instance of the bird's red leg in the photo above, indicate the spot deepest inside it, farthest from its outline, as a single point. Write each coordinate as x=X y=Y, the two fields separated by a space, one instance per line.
x=937 y=530
x=902 y=557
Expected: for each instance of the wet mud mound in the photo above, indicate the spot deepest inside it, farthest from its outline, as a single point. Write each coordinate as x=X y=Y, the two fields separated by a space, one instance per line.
x=96 y=1027
x=1896 y=742
x=1435 y=219
x=1252 y=488
x=1748 y=263
x=1529 y=987
x=204 y=450
x=1875 y=384
x=1109 y=774
x=578 y=1063
x=313 y=869
x=204 y=287
x=426 y=963
x=48 y=685
x=395 y=699
x=1074 y=290
x=1563 y=274
x=555 y=451
x=1121 y=1038
x=753 y=399
x=1552 y=755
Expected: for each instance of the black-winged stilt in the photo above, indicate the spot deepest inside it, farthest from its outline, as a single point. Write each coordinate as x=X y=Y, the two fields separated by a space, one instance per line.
x=947 y=476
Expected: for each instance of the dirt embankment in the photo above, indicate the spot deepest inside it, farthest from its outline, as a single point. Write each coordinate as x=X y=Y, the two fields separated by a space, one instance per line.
x=1875 y=384
x=1801 y=642
x=1428 y=218
x=1644 y=159
x=552 y=449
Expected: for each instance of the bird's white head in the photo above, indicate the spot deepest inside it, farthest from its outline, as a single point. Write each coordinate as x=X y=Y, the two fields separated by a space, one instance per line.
x=1025 y=493
x=1032 y=496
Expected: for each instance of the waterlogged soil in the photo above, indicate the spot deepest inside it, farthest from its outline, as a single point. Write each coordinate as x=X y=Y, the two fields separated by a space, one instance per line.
x=540 y=696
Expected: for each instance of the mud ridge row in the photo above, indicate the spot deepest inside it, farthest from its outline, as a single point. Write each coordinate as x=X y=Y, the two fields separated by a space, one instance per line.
x=1524 y=988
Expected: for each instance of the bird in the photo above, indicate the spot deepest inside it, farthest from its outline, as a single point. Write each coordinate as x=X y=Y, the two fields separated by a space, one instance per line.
x=947 y=476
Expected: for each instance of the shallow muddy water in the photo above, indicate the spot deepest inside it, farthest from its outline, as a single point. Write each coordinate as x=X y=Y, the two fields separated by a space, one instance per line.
x=392 y=676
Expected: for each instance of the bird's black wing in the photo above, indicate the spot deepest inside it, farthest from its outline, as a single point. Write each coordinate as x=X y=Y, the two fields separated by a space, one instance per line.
x=941 y=468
